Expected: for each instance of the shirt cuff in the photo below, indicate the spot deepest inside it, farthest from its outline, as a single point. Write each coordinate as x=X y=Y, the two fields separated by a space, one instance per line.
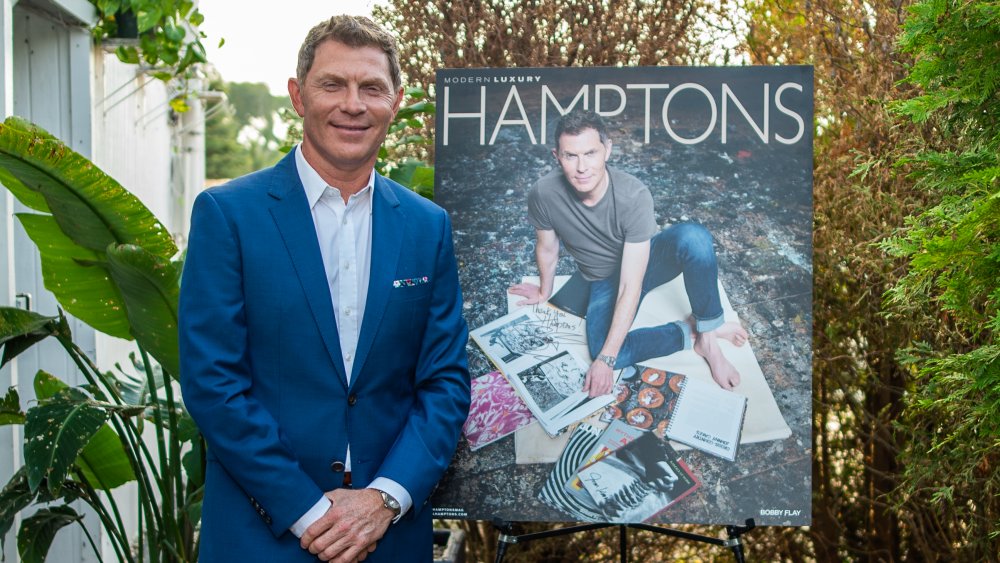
x=396 y=491
x=315 y=513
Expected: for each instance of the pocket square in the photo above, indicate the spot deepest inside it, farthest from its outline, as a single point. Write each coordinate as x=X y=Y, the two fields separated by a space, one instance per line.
x=410 y=282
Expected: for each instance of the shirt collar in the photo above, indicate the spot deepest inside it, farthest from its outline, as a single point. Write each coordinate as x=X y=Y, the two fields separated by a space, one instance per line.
x=314 y=185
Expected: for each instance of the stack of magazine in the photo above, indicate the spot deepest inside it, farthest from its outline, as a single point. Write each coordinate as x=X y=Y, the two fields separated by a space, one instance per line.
x=629 y=472
x=621 y=475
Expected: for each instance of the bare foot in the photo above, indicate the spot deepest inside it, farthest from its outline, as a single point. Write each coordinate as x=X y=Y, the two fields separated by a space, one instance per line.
x=733 y=332
x=706 y=345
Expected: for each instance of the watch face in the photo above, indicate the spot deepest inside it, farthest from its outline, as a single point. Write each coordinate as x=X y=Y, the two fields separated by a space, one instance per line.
x=390 y=502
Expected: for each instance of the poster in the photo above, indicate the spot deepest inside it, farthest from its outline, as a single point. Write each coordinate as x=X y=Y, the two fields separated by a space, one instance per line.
x=726 y=149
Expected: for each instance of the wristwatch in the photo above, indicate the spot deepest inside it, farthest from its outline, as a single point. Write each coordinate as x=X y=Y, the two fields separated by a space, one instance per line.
x=391 y=503
x=609 y=360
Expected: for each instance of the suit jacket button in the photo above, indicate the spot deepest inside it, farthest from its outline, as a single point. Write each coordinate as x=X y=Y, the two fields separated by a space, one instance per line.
x=352 y=399
x=337 y=466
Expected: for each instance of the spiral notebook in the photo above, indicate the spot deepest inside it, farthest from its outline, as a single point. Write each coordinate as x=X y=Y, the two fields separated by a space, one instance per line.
x=707 y=418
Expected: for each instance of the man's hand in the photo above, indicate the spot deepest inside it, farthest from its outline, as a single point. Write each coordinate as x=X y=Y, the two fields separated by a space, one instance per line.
x=600 y=378
x=349 y=529
x=531 y=292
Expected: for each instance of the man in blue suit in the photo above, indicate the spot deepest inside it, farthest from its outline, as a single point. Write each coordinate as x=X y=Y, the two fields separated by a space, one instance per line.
x=322 y=342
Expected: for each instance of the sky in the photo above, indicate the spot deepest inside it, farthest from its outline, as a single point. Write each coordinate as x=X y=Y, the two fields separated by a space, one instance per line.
x=262 y=37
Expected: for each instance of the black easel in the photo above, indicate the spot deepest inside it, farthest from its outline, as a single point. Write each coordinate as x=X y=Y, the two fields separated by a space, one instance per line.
x=733 y=542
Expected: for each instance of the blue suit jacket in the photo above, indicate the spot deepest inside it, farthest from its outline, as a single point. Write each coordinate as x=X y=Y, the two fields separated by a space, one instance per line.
x=262 y=374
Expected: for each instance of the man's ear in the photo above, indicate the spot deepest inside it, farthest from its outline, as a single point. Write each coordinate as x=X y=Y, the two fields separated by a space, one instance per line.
x=555 y=153
x=295 y=94
x=399 y=101
x=607 y=150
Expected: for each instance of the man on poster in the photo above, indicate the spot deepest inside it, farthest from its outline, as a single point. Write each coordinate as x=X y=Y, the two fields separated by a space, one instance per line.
x=604 y=217
x=322 y=341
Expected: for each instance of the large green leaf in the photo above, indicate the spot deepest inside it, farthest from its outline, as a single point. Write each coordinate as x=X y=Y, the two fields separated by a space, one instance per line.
x=37 y=532
x=150 y=286
x=74 y=274
x=10 y=408
x=47 y=386
x=194 y=464
x=15 y=497
x=30 y=198
x=103 y=461
x=90 y=207
x=415 y=175
x=20 y=329
x=55 y=434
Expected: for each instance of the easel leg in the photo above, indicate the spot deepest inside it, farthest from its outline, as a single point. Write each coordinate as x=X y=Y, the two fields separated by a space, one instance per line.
x=622 y=543
x=735 y=543
x=504 y=540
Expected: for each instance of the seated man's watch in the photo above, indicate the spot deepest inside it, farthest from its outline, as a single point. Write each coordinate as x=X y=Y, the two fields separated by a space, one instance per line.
x=391 y=503
x=608 y=360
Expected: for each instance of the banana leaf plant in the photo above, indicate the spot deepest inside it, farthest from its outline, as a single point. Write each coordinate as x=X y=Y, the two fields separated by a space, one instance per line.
x=110 y=263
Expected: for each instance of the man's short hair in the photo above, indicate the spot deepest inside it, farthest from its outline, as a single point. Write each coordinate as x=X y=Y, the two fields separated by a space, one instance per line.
x=579 y=120
x=353 y=31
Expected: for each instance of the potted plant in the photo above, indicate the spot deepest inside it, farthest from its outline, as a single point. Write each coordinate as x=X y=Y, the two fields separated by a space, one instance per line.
x=169 y=41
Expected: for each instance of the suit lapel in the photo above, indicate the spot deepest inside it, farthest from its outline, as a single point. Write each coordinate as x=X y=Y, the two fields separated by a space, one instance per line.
x=294 y=221
x=387 y=241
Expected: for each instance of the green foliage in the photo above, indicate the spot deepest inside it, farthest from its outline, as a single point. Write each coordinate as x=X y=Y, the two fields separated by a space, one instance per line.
x=102 y=460
x=10 y=408
x=20 y=330
x=225 y=157
x=51 y=450
x=107 y=260
x=38 y=531
x=150 y=287
x=89 y=213
x=168 y=35
x=952 y=253
x=245 y=135
x=405 y=134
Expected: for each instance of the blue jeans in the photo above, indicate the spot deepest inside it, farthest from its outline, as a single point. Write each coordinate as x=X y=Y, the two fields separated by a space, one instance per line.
x=680 y=249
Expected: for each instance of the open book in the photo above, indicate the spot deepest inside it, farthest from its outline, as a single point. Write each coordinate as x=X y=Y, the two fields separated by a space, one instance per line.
x=528 y=346
x=553 y=391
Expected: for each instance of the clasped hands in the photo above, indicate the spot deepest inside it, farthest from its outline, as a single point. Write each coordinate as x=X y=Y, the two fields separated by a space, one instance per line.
x=349 y=530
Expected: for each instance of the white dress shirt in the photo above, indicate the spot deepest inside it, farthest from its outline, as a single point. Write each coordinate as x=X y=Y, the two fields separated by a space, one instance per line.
x=345 y=237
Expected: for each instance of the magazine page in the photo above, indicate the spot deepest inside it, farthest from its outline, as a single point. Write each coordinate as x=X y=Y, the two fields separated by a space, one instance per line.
x=553 y=391
x=616 y=435
x=637 y=481
x=496 y=411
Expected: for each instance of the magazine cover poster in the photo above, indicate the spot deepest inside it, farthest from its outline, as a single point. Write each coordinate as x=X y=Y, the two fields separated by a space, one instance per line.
x=635 y=252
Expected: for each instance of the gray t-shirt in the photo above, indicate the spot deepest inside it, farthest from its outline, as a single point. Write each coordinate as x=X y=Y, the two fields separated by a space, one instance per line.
x=594 y=236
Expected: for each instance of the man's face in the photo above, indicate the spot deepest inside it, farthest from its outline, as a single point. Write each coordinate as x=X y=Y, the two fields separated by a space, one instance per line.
x=583 y=157
x=346 y=103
